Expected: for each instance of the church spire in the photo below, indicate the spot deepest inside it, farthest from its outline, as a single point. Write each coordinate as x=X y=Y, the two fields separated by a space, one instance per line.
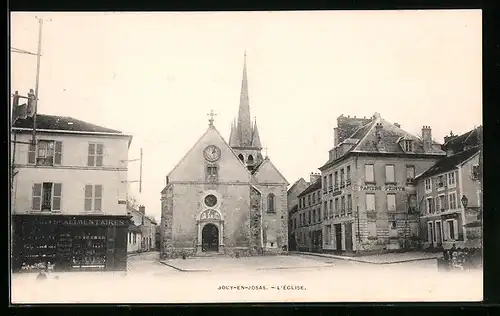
x=244 y=127
x=255 y=135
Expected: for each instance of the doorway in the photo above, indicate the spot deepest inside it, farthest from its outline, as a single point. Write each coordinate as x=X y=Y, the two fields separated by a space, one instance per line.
x=348 y=237
x=210 y=238
x=439 y=237
x=338 y=237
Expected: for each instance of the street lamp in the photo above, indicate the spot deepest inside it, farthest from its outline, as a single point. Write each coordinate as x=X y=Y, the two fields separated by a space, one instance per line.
x=465 y=201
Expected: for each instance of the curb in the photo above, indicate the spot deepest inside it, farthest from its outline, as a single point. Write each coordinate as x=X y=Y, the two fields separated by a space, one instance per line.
x=360 y=260
x=182 y=270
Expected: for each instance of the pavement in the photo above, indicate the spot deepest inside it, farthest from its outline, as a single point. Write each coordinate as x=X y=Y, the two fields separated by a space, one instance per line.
x=292 y=278
x=387 y=258
x=207 y=264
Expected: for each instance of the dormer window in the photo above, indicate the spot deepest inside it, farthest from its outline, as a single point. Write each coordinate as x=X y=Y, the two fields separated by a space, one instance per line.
x=407 y=145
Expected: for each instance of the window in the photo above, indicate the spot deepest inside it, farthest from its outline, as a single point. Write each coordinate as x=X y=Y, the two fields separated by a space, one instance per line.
x=314 y=198
x=438 y=208
x=428 y=185
x=349 y=203
x=389 y=174
x=342 y=183
x=336 y=179
x=212 y=170
x=342 y=205
x=442 y=202
x=325 y=184
x=330 y=210
x=330 y=182
x=241 y=157
x=370 y=202
x=270 y=203
x=328 y=233
x=49 y=153
x=129 y=238
x=314 y=216
x=135 y=238
x=325 y=210
x=451 y=229
x=93 y=197
x=369 y=176
x=407 y=145
x=430 y=232
x=452 y=201
x=337 y=208
x=410 y=173
x=46 y=196
x=441 y=182
x=348 y=174
x=391 y=202
x=309 y=199
x=309 y=218
x=430 y=206
x=95 y=155
x=451 y=179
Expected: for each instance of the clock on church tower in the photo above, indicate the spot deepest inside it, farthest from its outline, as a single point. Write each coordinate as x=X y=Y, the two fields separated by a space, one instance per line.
x=211 y=153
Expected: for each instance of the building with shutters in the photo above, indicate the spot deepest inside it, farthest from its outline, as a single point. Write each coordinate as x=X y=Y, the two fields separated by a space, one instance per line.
x=367 y=191
x=69 y=192
x=445 y=219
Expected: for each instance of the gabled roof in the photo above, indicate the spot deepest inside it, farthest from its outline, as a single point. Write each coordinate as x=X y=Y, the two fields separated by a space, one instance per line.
x=313 y=187
x=294 y=209
x=268 y=162
x=448 y=163
x=470 y=138
x=134 y=228
x=294 y=185
x=62 y=123
x=364 y=140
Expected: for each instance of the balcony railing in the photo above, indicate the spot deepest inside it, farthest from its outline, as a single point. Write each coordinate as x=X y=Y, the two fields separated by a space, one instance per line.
x=45 y=161
x=330 y=188
x=348 y=182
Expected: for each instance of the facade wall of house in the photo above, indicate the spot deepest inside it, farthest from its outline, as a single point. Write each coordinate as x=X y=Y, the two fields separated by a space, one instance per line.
x=376 y=221
x=73 y=174
x=134 y=241
x=308 y=218
x=441 y=224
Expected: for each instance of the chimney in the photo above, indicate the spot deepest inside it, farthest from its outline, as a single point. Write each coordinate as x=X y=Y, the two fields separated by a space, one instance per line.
x=335 y=136
x=314 y=177
x=142 y=209
x=397 y=125
x=427 y=138
x=379 y=136
x=449 y=137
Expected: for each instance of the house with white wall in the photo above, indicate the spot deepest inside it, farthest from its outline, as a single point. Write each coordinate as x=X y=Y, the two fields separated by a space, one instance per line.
x=68 y=194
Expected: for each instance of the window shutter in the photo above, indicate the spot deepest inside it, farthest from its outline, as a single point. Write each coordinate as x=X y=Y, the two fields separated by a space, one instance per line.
x=91 y=155
x=88 y=198
x=31 y=154
x=446 y=231
x=56 y=196
x=455 y=229
x=98 y=197
x=99 y=154
x=58 y=153
x=36 y=196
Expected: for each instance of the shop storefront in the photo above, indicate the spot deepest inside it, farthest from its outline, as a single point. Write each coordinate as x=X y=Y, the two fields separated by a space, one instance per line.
x=69 y=243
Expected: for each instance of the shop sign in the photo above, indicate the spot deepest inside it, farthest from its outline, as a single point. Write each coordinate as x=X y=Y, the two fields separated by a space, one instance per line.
x=82 y=222
x=381 y=188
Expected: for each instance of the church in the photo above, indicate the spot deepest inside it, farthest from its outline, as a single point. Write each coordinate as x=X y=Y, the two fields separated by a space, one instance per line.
x=225 y=197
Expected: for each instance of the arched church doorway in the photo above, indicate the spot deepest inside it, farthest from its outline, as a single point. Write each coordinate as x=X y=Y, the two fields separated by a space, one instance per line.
x=210 y=238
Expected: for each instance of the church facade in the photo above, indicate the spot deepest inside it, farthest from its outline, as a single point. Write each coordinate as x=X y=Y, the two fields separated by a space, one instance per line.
x=225 y=197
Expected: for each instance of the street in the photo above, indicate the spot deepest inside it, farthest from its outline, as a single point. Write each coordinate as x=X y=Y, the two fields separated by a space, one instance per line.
x=297 y=278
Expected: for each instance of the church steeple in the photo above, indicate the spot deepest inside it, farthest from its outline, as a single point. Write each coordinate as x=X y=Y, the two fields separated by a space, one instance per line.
x=255 y=135
x=244 y=124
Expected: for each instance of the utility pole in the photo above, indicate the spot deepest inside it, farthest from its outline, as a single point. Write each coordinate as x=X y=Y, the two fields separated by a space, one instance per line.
x=37 y=83
x=140 y=171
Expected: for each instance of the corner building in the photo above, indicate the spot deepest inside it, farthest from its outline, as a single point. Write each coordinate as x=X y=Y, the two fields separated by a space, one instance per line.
x=367 y=191
x=225 y=197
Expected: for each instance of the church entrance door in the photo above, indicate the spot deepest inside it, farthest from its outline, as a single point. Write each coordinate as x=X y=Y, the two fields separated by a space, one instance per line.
x=210 y=238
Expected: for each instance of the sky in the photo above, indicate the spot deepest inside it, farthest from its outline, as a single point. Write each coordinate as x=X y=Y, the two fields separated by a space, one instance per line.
x=156 y=76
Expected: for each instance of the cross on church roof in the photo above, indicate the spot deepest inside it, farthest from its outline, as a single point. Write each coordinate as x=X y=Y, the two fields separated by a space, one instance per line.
x=211 y=119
